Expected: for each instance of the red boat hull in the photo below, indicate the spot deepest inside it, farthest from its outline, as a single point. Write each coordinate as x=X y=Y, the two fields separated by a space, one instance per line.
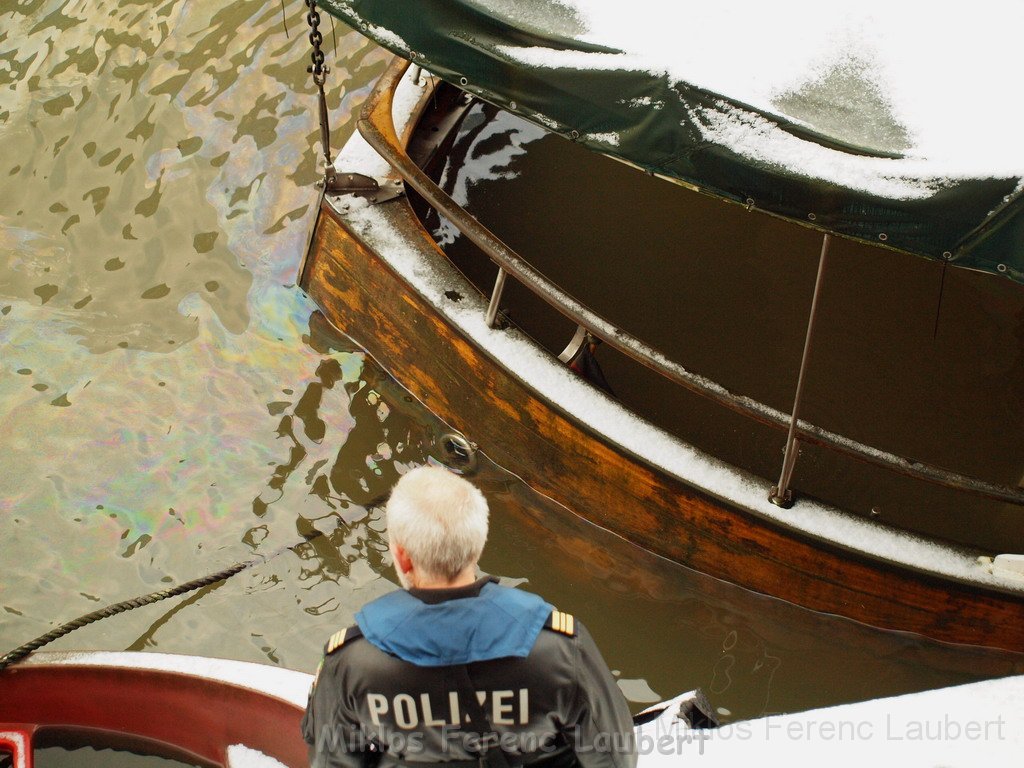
x=170 y=713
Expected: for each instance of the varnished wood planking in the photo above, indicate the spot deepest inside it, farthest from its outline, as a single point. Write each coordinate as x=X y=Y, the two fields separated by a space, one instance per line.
x=638 y=572
x=571 y=463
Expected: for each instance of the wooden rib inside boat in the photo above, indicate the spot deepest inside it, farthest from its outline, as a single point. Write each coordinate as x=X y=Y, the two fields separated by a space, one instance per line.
x=489 y=366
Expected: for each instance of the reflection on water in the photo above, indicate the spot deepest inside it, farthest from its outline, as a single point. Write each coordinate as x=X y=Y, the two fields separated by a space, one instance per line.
x=157 y=187
x=171 y=403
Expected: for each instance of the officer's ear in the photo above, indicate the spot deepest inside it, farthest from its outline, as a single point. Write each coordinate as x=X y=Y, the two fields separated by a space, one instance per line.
x=402 y=561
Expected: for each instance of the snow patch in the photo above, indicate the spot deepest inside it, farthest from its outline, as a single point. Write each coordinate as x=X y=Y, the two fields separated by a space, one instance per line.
x=755 y=138
x=387 y=38
x=945 y=77
x=611 y=139
x=241 y=756
x=957 y=727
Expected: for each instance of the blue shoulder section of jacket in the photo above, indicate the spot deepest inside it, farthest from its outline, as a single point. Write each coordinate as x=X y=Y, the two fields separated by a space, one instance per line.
x=498 y=623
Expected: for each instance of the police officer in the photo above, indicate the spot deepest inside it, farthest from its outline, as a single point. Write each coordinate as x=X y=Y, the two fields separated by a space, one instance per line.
x=459 y=670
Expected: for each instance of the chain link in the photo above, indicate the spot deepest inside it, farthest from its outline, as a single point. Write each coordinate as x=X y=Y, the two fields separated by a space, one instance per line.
x=317 y=68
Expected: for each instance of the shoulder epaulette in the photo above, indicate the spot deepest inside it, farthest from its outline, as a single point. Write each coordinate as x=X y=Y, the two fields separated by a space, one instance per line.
x=338 y=639
x=561 y=622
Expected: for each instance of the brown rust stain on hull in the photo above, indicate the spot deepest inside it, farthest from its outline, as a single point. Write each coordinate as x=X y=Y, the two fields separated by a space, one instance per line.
x=570 y=462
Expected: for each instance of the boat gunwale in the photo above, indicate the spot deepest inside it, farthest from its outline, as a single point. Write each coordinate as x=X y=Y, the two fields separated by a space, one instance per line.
x=287 y=685
x=980 y=580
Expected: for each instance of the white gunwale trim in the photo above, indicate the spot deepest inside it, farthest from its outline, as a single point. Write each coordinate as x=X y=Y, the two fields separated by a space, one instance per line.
x=21 y=747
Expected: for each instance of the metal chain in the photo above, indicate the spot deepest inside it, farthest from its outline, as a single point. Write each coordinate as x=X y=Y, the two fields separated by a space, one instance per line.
x=332 y=183
x=319 y=71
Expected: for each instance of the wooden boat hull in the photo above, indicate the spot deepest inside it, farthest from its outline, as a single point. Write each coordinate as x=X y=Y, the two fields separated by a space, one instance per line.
x=572 y=462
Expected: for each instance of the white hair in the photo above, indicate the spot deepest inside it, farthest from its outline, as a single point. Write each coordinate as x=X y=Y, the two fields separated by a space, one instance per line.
x=439 y=519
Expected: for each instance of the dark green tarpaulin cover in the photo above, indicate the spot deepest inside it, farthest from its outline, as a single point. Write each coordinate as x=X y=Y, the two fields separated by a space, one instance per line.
x=662 y=124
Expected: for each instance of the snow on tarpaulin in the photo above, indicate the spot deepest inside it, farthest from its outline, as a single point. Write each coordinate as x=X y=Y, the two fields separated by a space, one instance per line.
x=885 y=123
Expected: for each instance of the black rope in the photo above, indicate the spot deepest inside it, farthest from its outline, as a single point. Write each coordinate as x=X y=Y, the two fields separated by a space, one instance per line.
x=22 y=651
x=310 y=534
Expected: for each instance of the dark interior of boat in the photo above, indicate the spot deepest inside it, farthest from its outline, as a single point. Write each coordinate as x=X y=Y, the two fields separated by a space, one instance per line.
x=908 y=357
x=89 y=748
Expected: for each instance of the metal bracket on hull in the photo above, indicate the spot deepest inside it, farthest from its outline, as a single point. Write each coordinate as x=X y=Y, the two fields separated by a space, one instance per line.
x=581 y=337
x=360 y=185
x=334 y=183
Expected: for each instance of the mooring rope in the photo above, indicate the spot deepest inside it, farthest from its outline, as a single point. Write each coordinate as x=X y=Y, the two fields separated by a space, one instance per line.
x=458 y=454
x=22 y=651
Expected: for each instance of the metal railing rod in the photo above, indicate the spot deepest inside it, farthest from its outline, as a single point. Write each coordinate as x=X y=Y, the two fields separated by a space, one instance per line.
x=499 y=288
x=376 y=125
x=780 y=494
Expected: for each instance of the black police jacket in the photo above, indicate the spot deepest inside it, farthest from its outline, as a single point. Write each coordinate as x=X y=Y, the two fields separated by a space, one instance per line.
x=554 y=702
